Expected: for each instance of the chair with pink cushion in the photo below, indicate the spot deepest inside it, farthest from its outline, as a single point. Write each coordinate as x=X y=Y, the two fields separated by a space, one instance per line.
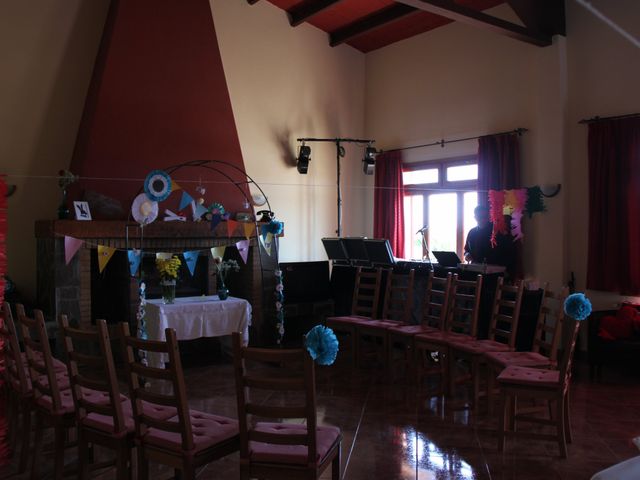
x=544 y=351
x=372 y=336
x=364 y=306
x=52 y=399
x=526 y=383
x=190 y=438
x=107 y=422
x=270 y=450
x=502 y=338
x=432 y=348
x=434 y=314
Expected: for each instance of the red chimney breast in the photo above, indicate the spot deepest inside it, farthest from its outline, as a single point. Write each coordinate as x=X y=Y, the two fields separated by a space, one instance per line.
x=158 y=97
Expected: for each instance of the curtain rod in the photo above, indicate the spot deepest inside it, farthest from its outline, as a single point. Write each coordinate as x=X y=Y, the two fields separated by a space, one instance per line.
x=615 y=117
x=443 y=142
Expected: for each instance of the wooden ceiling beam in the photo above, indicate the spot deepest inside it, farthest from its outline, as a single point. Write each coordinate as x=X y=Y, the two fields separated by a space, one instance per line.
x=459 y=13
x=546 y=16
x=307 y=9
x=370 y=22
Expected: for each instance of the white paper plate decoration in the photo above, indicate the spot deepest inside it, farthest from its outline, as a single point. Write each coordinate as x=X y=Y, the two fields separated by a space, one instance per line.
x=157 y=185
x=143 y=210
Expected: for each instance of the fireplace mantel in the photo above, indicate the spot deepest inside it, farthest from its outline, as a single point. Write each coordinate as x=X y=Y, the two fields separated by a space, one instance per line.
x=67 y=289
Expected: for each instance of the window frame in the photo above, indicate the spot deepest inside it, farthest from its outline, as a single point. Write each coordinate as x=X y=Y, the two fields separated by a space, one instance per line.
x=459 y=187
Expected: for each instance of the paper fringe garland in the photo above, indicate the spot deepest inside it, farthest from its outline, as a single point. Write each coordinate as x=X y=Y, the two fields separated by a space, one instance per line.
x=513 y=203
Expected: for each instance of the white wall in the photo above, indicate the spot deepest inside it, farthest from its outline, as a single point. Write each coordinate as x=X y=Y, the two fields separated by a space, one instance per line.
x=286 y=83
x=48 y=50
x=459 y=81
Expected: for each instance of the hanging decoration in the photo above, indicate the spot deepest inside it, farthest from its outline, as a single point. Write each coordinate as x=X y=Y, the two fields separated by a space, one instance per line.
x=143 y=210
x=185 y=201
x=279 y=297
x=216 y=218
x=243 y=249
x=231 y=227
x=249 y=229
x=191 y=258
x=141 y=318
x=513 y=203
x=104 y=255
x=218 y=251
x=135 y=257
x=71 y=247
x=534 y=203
x=157 y=185
x=496 y=203
x=322 y=345
x=217 y=209
x=274 y=227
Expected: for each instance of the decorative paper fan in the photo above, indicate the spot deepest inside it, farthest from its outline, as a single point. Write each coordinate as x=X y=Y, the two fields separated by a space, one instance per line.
x=143 y=210
x=157 y=185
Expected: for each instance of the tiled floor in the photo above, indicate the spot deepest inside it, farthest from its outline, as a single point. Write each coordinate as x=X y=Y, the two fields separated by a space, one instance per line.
x=393 y=432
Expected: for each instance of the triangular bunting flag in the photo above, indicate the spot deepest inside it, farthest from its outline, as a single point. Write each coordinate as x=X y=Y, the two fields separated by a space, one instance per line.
x=218 y=251
x=249 y=228
x=104 y=255
x=215 y=220
x=243 y=249
x=191 y=258
x=185 y=200
x=266 y=243
x=175 y=186
x=198 y=210
x=231 y=227
x=135 y=256
x=71 y=247
x=264 y=232
x=163 y=255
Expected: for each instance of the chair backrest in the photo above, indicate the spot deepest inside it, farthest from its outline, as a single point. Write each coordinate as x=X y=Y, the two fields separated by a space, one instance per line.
x=398 y=296
x=506 y=312
x=568 y=351
x=299 y=381
x=464 y=305
x=550 y=320
x=138 y=373
x=435 y=305
x=366 y=293
x=39 y=357
x=15 y=370
x=95 y=371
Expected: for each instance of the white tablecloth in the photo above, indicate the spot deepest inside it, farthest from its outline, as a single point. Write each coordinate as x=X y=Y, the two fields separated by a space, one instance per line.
x=196 y=317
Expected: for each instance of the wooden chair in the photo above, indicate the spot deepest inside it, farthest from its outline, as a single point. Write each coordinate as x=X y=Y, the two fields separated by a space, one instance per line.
x=282 y=450
x=434 y=314
x=52 y=398
x=432 y=348
x=517 y=383
x=106 y=423
x=502 y=338
x=544 y=352
x=188 y=439
x=372 y=335
x=366 y=295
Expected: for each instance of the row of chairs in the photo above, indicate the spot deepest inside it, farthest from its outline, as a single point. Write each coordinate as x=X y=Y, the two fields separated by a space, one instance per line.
x=83 y=395
x=446 y=340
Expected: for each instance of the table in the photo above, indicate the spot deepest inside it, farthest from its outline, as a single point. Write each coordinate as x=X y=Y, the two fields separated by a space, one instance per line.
x=196 y=317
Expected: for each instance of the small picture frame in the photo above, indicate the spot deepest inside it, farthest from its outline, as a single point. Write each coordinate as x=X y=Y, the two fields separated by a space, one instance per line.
x=82 y=210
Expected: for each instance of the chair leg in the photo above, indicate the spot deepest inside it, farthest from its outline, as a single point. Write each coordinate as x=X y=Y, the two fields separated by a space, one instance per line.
x=83 y=456
x=335 y=466
x=37 y=448
x=513 y=407
x=503 y=420
x=143 y=465
x=122 y=463
x=26 y=438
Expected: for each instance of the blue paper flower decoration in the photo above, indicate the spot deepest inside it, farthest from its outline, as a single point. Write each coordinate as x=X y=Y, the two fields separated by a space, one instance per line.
x=577 y=306
x=322 y=345
x=157 y=185
x=274 y=226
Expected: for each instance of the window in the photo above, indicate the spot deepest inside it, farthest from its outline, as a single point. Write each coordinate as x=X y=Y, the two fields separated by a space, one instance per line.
x=440 y=195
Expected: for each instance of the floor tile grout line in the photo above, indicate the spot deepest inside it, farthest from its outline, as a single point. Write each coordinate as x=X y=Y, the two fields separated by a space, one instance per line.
x=355 y=434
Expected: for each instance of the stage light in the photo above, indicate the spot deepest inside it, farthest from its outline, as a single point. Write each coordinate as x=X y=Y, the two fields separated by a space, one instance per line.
x=304 y=157
x=369 y=160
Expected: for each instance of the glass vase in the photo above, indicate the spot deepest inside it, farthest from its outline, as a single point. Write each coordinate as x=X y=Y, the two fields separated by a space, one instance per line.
x=223 y=291
x=168 y=288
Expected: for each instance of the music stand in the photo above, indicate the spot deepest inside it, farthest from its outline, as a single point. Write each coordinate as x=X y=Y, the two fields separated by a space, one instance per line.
x=336 y=251
x=356 y=250
x=379 y=251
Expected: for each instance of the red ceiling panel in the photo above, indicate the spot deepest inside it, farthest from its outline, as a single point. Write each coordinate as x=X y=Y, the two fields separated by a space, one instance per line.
x=346 y=12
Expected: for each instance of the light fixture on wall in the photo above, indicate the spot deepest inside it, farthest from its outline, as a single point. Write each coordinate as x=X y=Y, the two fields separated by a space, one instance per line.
x=304 y=157
x=369 y=160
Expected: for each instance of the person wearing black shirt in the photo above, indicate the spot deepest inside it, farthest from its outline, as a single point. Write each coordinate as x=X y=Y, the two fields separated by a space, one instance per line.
x=478 y=248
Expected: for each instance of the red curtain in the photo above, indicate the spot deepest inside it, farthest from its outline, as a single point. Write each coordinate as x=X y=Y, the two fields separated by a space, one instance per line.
x=614 y=206
x=499 y=169
x=388 y=207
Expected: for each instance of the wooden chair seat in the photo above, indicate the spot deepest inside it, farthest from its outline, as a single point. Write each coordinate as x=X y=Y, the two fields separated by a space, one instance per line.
x=521 y=359
x=536 y=377
x=208 y=431
x=445 y=338
x=479 y=347
x=61 y=377
x=105 y=423
x=346 y=320
x=411 y=330
x=327 y=440
x=58 y=366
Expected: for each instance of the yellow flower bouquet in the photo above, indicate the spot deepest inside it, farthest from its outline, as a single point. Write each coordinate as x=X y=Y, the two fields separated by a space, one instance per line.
x=168 y=270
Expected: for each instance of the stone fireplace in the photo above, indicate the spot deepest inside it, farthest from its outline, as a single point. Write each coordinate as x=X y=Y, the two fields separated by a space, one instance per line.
x=80 y=291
